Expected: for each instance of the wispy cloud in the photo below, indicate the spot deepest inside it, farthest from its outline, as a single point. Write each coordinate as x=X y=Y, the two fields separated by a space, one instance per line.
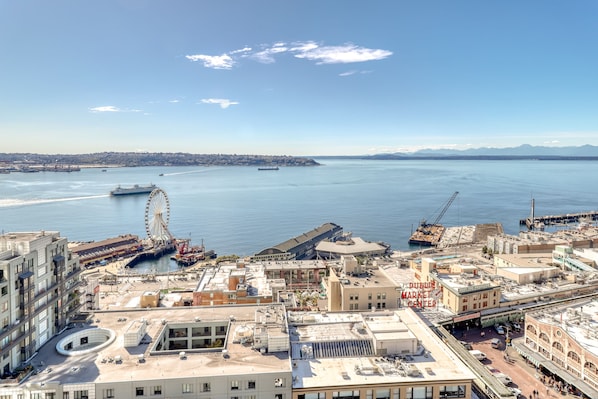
x=111 y=108
x=223 y=61
x=224 y=103
x=105 y=108
x=308 y=50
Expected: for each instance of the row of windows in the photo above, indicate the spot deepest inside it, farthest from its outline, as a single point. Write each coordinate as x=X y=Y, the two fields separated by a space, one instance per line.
x=235 y=385
x=379 y=296
x=379 y=305
x=445 y=391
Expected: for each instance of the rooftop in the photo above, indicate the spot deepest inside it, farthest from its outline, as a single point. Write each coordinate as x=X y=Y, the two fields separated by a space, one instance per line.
x=579 y=321
x=120 y=360
x=336 y=349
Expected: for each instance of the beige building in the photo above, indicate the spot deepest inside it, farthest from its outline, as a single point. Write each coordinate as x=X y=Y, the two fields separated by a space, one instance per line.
x=462 y=292
x=39 y=293
x=352 y=287
x=563 y=342
x=526 y=268
x=382 y=354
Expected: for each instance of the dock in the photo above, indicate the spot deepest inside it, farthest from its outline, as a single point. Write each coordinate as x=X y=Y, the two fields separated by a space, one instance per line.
x=552 y=220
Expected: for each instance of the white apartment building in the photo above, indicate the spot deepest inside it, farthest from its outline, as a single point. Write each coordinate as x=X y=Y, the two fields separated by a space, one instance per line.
x=39 y=280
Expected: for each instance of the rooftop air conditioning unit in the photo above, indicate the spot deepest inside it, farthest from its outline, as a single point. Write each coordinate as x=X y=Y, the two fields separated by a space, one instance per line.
x=182 y=355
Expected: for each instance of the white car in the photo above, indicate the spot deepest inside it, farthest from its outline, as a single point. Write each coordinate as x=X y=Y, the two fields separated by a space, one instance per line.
x=516 y=391
x=499 y=329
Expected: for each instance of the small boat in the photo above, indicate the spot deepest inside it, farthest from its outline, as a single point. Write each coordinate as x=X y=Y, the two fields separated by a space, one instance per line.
x=136 y=189
x=161 y=174
x=268 y=168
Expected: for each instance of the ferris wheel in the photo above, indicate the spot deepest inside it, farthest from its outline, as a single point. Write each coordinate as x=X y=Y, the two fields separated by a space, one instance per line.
x=157 y=216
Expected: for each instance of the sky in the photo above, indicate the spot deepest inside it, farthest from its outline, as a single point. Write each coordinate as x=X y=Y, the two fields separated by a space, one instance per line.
x=300 y=78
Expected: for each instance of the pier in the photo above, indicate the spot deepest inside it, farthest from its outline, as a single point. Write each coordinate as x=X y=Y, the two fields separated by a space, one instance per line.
x=537 y=222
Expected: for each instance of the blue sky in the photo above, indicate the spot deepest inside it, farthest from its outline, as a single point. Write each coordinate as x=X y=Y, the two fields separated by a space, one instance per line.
x=296 y=77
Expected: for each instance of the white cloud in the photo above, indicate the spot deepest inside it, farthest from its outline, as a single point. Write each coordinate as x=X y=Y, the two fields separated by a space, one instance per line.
x=241 y=50
x=309 y=50
x=174 y=101
x=348 y=53
x=111 y=108
x=224 y=103
x=105 y=108
x=348 y=73
x=223 y=61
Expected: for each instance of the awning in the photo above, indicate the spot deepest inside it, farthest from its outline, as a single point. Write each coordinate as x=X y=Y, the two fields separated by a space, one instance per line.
x=25 y=275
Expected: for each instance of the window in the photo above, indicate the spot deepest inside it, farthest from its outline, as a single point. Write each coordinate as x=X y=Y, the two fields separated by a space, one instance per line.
x=369 y=305
x=50 y=395
x=81 y=394
x=313 y=395
x=234 y=385
x=206 y=387
x=279 y=396
x=419 y=393
x=346 y=394
x=4 y=290
x=157 y=390
x=452 y=391
x=65 y=395
x=36 y=395
x=464 y=308
x=108 y=393
x=250 y=384
x=187 y=388
x=279 y=383
x=382 y=393
x=370 y=296
x=139 y=391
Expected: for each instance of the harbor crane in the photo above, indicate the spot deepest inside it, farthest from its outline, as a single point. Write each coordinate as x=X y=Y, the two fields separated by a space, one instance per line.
x=429 y=234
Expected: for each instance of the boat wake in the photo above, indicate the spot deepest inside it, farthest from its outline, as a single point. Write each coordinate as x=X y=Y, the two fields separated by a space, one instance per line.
x=188 y=172
x=14 y=202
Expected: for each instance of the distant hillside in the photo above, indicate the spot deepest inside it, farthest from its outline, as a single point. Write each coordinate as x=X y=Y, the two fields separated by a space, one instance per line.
x=525 y=151
x=155 y=159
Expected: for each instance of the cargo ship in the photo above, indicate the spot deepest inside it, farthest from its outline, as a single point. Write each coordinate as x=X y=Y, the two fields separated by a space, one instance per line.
x=136 y=189
x=268 y=168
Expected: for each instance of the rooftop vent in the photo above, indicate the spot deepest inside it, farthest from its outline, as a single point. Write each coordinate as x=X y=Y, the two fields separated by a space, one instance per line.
x=182 y=355
x=141 y=358
x=118 y=359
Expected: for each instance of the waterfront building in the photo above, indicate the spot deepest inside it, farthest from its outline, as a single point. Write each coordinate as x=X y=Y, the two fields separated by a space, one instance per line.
x=349 y=245
x=382 y=354
x=302 y=246
x=39 y=294
x=562 y=341
x=541 y=241
x=97 y=251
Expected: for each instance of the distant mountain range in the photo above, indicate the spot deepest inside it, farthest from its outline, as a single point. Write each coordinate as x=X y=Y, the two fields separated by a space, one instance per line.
x=524 y=151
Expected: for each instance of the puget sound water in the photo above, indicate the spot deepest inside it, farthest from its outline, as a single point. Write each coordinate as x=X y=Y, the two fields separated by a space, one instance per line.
x=240 y=210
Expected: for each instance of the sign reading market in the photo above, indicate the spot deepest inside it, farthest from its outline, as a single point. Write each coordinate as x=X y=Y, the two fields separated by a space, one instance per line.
x=419 y=294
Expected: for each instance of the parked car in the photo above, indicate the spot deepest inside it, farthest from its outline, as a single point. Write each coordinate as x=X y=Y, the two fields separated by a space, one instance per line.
x=516 y=326
x=499 y=329
x=496 y=343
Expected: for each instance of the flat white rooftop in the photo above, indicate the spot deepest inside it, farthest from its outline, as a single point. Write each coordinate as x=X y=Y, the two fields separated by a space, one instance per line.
x=103 y=367
x=433 y=361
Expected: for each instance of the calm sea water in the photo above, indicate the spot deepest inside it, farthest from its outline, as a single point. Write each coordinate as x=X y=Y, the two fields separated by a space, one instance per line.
x=240 y=210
